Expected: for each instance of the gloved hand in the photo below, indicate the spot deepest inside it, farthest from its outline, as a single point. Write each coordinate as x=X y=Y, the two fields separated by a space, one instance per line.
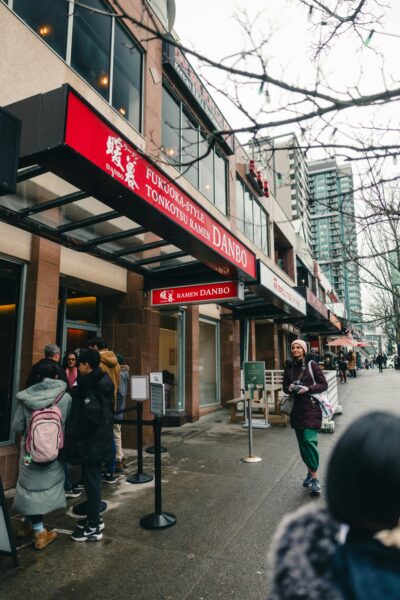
x=303 y=389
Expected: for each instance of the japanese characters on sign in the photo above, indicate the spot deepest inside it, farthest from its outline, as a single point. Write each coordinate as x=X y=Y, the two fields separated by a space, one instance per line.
x=90 y=136
x=198 y=294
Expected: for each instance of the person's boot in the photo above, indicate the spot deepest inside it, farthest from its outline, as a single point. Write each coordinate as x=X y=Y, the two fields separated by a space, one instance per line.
x=44 y=538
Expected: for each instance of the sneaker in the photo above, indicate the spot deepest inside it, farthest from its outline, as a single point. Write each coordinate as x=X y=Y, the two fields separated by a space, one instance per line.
x=44 y=538
x=84 y=523
x=315 y=487
x=73 y=493
x=79 y=486
x=108 y=478
x=308 y=480
x=87 y=534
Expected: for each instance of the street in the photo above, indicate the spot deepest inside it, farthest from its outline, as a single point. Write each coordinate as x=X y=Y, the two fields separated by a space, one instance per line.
x=226 y=513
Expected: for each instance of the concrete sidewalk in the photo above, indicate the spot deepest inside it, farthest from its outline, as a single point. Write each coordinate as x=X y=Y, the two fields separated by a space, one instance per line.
x=226 y=514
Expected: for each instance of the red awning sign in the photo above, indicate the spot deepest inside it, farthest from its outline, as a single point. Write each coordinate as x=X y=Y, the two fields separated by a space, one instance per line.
x=198 y=294
x=87 y=134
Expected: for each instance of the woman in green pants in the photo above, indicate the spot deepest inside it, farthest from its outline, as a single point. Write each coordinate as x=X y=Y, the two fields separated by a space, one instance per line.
x=306 y=416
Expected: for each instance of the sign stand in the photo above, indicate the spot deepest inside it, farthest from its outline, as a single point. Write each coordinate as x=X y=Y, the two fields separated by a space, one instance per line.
x=250 y=458
x=156 y=377
x=7 y=540
x=158 y=519
x=140 y=393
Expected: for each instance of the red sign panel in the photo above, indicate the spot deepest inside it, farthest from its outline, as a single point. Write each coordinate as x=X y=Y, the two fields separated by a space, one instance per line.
x=90 y=136
x=198 y=294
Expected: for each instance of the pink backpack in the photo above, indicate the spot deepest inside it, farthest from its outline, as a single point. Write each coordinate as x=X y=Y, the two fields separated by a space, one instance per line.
x=45 y=436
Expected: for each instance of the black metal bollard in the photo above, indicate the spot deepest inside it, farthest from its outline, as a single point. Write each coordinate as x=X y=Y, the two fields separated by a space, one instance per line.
x=139 y=476
x=158 y=519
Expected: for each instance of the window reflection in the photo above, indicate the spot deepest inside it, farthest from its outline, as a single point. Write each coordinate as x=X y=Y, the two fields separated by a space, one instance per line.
x=127 y=77
x=49 y=18
x=91 y=44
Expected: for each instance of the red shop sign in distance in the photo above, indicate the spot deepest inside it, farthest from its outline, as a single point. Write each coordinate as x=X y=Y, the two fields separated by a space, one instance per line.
x=198 y=294
x=87 y=134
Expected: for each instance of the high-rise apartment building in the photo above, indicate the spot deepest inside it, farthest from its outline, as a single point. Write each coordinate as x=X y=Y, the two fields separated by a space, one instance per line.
x=333 y=230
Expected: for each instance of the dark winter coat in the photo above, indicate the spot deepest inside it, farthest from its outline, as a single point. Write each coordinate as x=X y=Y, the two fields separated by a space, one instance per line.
x=43 y=361
x=89 y=430
x=311 y=563
x=306 y=413
x=40 y=488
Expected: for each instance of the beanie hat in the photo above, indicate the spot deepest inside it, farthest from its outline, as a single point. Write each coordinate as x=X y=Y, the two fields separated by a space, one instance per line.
x=301 y=343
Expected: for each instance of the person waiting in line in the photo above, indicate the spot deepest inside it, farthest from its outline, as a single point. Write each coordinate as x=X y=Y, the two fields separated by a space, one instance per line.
x=122 y=394
x=351 y=364
x=349 y=550
x=70 y=366
x=40 y=487
x=88 y=440
x=109 y=364
x=306 y=416
x=51 y=355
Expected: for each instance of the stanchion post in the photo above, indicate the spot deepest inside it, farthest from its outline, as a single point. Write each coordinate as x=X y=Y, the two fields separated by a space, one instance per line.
x=158 y=519
x=139 y=476
x=250 y=458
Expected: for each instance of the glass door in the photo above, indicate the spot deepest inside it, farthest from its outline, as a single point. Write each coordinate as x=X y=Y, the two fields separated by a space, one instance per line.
x=11 y=299
x=171 y=359
x=209 y=370
x=79 y=319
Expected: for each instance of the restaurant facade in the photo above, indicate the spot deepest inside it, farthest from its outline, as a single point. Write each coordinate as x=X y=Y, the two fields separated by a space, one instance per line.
x=128 y=219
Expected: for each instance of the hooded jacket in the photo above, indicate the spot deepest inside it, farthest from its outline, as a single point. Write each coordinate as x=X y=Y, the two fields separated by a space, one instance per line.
x=89 y=431
x=40 y=488
x=311 y=563
x=109 y=364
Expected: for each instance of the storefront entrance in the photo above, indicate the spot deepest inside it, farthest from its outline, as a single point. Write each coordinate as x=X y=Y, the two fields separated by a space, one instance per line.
x=10 y=342
x=209 y=362
x=171 y=358
x=79 y=319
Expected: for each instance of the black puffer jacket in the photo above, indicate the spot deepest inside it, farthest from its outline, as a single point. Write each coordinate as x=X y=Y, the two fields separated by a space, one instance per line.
x=89 y=430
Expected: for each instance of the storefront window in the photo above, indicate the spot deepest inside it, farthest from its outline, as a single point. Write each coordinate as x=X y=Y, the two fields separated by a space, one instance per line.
x=190 y=150
x=127 y=77
x=240 y=204
x=171 y=127
x=248 y=215
x=209 y=363
x=171 y=358
x=114 y=70
x=49 y=18
x=220 y=182
x=10 y=277
x=91 y=45
x=81 y=307
x=207 y=171
x=182 y=143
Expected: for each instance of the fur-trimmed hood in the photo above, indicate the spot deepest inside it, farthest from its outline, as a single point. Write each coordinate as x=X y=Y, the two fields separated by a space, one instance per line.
x=303 y=544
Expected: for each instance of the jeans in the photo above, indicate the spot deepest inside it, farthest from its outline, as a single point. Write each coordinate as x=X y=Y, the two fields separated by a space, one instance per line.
x=92 y=483
x=111 y=465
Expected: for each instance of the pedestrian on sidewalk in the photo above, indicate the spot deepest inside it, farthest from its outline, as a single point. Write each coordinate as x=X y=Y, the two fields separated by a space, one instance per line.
x=342 y=365
x=122 y=394
x=350 y=550
x=40 y=486
x=89 y=438
x=379 y=362
x=306 y=416
x=351 y=360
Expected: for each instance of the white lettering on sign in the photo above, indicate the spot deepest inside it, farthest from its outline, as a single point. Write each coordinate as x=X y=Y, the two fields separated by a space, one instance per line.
x=229 y=246
x=281 y=289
